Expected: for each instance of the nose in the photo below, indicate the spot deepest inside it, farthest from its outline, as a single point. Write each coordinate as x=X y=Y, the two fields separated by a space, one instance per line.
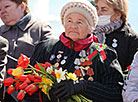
x=2 y=11
x=99 y=12
x=74 y=25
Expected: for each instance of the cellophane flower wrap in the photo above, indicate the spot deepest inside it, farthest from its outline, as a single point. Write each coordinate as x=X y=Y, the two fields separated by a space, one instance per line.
x=29 y=79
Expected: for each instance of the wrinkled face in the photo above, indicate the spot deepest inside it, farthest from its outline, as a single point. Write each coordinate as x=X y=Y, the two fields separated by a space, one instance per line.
x=104 y=9
x=76 y=26
x=10 y=12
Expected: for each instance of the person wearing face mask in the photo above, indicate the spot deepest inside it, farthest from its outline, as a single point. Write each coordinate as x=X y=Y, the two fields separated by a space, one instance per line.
x=113 y=30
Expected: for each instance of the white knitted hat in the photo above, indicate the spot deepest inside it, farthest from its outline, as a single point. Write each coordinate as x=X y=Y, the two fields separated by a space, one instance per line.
x=84 y=7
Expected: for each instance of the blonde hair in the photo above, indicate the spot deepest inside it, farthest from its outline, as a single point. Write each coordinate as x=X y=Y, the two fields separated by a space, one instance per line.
x=119 y=5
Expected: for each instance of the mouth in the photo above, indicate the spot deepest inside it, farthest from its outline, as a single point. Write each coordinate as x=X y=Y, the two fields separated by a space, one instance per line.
x=4 y=16
x=73 y=32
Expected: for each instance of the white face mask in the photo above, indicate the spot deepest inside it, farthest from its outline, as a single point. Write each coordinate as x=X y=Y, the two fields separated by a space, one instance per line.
x=103 y=20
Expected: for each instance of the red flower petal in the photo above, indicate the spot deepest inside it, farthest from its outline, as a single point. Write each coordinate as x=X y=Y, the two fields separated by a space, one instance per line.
x=31 y=77
x=11 y=89
x=23 y=86
x=23 y=61
x=37 y=67
x=31 y=89
x=9 y=81
x=17 y=85
x=23 y=78
x=10 y=71
x=47 y=64
x=21 y=95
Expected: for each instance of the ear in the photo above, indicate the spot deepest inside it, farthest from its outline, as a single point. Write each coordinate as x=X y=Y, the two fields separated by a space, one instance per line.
x=118 y=14
x=23 y=6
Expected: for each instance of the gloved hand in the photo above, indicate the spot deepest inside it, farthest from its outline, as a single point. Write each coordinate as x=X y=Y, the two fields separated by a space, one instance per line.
x=66 y=89
x=52 y=97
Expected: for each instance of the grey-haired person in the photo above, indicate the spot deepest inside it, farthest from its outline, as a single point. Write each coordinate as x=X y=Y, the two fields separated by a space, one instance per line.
x=79 y=19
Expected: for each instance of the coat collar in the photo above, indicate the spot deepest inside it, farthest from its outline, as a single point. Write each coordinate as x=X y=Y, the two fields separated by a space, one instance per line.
x=26 y=24
x=23 y=25
x=79 y=44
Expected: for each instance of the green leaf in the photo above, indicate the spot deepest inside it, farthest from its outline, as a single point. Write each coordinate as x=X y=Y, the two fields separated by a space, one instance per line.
x=53 y=78
x=104 y=46
x=47 y=91
x=84 y=99
x=69 y=100
x=96 y=46
x=28 y=72
x=42 y=69
x=76 y=98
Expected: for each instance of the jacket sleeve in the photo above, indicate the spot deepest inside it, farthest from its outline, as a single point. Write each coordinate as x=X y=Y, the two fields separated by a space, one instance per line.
x=133 y=45
x=3 y=61
x=106 y=86
x=46 y=31
x=130 y=89
x=42 y=51
x=3 y=51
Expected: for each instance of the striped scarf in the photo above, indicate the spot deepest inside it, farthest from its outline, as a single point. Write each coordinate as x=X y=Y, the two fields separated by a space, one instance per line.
x=100 y=31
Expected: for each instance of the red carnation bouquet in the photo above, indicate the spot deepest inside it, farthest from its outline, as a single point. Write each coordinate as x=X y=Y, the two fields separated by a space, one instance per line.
x=28 y=79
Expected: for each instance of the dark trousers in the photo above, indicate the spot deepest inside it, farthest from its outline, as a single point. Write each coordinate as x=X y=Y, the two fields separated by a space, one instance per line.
x=2 y=94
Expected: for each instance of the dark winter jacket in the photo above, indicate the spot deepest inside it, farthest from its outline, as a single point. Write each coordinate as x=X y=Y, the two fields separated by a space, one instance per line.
x=127 y=44
x=105 y=86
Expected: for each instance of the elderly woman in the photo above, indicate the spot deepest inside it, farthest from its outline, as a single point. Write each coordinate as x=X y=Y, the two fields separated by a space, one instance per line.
x=77 y=51
x=130 y=89
x=22 y=30
x=114 y=31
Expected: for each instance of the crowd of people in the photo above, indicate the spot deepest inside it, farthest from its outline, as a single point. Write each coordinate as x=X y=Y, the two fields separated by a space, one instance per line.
x=86 y=26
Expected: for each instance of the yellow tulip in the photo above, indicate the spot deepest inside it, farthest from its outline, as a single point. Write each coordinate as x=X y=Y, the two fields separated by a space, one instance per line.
x=18 y=71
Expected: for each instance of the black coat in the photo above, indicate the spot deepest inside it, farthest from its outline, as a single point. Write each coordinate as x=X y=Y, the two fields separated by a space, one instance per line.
x=127 y=44
x=107 y=74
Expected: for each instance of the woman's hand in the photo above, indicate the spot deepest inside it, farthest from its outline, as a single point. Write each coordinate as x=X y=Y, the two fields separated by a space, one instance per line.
x=66 y=89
